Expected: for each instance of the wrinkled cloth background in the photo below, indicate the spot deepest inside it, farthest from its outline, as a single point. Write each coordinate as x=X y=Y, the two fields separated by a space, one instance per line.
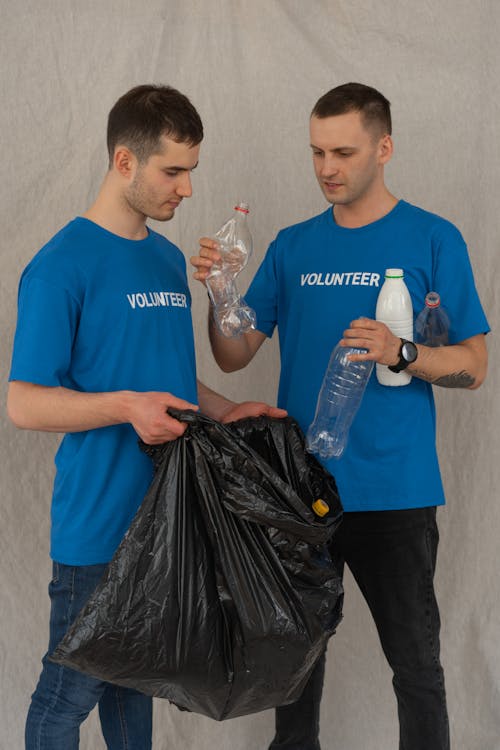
x=254 y=71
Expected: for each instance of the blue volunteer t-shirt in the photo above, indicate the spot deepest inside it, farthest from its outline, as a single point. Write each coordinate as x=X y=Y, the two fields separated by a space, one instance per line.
x=99 y=313
x=314 y=280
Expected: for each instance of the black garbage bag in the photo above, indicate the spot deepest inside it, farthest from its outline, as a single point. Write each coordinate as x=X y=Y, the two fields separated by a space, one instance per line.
x=222 y=594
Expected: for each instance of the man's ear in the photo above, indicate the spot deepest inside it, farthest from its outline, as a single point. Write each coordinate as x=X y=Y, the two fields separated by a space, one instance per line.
x=124 y=162
x=386 y=149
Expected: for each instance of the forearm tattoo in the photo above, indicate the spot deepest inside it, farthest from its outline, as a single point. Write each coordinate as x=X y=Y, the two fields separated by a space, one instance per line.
x=453 y=380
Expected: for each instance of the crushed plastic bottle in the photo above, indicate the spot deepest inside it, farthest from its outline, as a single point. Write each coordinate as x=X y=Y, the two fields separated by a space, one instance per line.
x=341 y=393
x=432 y=324
x=231 y=313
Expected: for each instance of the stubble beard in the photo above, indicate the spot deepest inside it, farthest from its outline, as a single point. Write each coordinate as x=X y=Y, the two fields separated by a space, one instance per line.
x=142 y=202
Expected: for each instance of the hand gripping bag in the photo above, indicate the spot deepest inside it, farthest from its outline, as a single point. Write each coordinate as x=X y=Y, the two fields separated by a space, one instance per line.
x=222 y=594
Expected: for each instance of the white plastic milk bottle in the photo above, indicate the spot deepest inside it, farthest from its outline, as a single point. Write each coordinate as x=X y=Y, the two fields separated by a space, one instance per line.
x=394 y=308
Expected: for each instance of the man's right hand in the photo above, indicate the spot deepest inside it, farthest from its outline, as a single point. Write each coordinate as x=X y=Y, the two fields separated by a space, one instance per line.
x=56 y=409
x=148 y=416
x=203 y=262
x=230 y=353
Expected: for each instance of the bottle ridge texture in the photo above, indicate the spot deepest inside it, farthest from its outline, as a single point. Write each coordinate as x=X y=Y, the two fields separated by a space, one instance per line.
x=341 y=393
x=394 y=308
x=232 y=315
x=432 y=324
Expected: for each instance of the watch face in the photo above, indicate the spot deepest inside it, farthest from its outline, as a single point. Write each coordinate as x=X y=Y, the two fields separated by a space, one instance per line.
x=409 y=351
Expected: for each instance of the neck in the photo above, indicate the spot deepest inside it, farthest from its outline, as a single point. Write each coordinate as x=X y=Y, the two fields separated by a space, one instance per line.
x=363 y=212
x=111 y=211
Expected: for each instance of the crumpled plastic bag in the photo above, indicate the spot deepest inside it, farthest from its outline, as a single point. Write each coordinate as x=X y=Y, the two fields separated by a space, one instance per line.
x=222 y=594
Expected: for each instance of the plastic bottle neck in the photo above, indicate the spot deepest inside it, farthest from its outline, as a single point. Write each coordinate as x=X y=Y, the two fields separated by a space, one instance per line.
x=432 y=300
x=393 y=273
x=242 y=208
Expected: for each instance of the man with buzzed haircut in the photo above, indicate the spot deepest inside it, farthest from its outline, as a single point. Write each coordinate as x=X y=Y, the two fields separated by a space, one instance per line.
x=388 y=477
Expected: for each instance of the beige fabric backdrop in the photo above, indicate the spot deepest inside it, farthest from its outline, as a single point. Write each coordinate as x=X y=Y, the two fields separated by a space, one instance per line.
x=254 y=70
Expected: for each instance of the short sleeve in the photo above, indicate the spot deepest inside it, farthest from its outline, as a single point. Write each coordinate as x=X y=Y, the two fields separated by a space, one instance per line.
x=46 y=328
x=454 y=281
x=262 y=295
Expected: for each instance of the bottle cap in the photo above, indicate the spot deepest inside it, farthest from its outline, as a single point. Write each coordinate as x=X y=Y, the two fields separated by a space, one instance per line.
x=432 y=299
x=242 y=206
x=394 y=273
x=320 y=507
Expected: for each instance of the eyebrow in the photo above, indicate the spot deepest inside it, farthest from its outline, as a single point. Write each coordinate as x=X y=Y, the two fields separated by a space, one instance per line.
x=335 y=150
x=182 y=169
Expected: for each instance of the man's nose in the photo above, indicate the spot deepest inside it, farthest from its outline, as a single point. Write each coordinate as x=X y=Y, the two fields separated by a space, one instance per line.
x=184 y=187
x=329 y=166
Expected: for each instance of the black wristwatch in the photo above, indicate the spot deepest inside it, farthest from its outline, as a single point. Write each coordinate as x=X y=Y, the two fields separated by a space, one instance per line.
x=407 y=354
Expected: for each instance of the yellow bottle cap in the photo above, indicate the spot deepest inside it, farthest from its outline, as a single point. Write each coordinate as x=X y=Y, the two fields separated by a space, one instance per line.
x=320 y=507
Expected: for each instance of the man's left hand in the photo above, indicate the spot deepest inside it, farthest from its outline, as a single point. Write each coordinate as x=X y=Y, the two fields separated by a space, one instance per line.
x=252 y=409
x=382 y=346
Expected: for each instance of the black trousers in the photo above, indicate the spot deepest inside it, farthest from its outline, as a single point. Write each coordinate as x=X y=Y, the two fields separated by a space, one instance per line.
x=392 y=556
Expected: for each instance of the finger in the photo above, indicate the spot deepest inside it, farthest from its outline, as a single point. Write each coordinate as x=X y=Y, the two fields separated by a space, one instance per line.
x=356 y=343
x=199 y=262
x=367 y=323
x=200 y=276
x=166 y=436
x=174 y=429
x=355 y=333
x=275 y=411
x=365 y=357
x=271 y=411
x=259 y=409
x=179 y=403
x=213 y=256
x=209 y=243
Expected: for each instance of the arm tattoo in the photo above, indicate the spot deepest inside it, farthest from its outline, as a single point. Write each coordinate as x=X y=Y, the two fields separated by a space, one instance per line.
x=453 y=380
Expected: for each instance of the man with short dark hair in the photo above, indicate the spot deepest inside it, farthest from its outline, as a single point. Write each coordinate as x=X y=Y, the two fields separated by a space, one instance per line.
x=103 y=341
x=317 y=279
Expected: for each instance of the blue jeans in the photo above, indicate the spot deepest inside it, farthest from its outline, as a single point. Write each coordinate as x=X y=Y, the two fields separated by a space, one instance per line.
x=64 y=697
x=392 y=556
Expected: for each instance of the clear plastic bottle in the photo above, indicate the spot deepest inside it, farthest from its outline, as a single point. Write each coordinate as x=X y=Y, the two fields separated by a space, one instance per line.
x=231 y=313
x=394 y=308
x=341 y=393
x=432 y=323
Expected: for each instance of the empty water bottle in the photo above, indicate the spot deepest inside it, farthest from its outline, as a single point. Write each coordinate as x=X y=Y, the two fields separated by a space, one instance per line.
x=432 y=324
x=231 y=313
x=341 y=393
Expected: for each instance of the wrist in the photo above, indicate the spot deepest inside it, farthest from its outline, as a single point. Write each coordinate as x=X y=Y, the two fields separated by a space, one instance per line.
x=395 y=350
x=224 y=409
x=407 y=355
x=122 y=405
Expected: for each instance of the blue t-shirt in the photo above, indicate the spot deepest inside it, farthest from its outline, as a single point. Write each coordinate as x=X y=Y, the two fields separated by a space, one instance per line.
x=314 y=280
x=100 y=313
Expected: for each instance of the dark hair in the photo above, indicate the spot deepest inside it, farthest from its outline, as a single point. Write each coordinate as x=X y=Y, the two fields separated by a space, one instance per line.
x=146 y=113
x=375 y=109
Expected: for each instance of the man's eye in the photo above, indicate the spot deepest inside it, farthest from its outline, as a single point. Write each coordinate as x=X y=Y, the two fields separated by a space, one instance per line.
x=345 y=153
x=171 y=172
